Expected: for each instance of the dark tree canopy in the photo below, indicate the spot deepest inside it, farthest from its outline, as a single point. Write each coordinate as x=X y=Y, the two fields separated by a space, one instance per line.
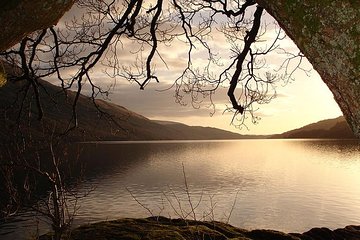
x=332 y=46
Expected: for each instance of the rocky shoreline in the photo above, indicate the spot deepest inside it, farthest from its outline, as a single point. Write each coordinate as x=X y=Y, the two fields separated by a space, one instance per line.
x=162 y=228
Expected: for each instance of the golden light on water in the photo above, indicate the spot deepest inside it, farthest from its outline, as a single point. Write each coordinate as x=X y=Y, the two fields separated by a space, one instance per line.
x=288 y=185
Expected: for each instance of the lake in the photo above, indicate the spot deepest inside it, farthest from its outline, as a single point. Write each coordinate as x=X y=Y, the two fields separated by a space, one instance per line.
x=286 y=185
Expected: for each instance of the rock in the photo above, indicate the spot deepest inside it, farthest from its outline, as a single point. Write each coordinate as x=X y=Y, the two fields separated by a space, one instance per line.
x=21 y=17
x=161 y=228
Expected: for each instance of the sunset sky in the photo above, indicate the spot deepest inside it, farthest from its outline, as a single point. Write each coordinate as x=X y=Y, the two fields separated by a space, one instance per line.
x=302 y=101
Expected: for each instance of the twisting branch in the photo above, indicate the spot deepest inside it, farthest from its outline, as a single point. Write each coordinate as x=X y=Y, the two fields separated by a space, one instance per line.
x=28 y=71
x=109 y=30
x=249 y=39
x=153 y=27
x=92 y=59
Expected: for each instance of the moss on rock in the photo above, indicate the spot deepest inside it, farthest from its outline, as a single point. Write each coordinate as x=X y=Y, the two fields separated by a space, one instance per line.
x=161 y=228
x=21 y=17
x=3 y=76
x=328 y=34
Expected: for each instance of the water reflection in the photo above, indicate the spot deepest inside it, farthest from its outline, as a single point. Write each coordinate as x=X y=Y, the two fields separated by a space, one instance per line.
x=288 y=185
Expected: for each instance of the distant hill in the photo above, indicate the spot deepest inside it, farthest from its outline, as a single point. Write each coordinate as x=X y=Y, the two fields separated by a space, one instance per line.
x=332 y=128
x=198 y=132
x=118 y=123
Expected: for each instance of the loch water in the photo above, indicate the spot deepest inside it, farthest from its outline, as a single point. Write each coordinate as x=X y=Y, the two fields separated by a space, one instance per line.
x=286 y=185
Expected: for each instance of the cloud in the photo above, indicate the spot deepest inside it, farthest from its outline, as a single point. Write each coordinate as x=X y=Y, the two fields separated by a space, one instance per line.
x=157 y=102
x=154 y=103
x=285 y=109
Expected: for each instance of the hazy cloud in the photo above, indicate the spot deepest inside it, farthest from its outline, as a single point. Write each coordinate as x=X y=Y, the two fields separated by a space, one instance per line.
x=302 y=102
x=154 y=103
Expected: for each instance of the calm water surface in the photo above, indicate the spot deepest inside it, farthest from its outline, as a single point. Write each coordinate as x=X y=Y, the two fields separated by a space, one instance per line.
x=287 y=185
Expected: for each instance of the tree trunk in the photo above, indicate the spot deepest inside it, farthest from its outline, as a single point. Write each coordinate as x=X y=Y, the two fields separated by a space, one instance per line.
x=21 y=17
x=328 y=33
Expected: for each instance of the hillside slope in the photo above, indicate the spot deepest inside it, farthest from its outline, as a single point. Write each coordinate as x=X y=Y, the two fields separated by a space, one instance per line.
x=336 y=128
x=199 y=132
x=118 y=123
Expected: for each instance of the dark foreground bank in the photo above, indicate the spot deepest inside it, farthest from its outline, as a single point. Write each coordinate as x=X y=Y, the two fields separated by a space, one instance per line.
x=177 y=229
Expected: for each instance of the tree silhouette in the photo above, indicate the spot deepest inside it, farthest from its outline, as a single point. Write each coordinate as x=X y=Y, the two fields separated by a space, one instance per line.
x=106 y=27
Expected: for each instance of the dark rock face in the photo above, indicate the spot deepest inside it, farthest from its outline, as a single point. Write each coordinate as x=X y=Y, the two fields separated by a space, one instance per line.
x=21 y=17
x=328 y=34
x=348 y=233
x=178 y=229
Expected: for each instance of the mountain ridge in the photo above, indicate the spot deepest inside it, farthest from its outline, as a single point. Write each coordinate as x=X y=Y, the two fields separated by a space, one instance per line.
x=115 y=122
x=335 y=128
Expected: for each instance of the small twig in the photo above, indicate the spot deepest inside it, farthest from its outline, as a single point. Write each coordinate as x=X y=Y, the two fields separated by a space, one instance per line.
x=140 y=203
x=232 y=207
x=188 y=192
